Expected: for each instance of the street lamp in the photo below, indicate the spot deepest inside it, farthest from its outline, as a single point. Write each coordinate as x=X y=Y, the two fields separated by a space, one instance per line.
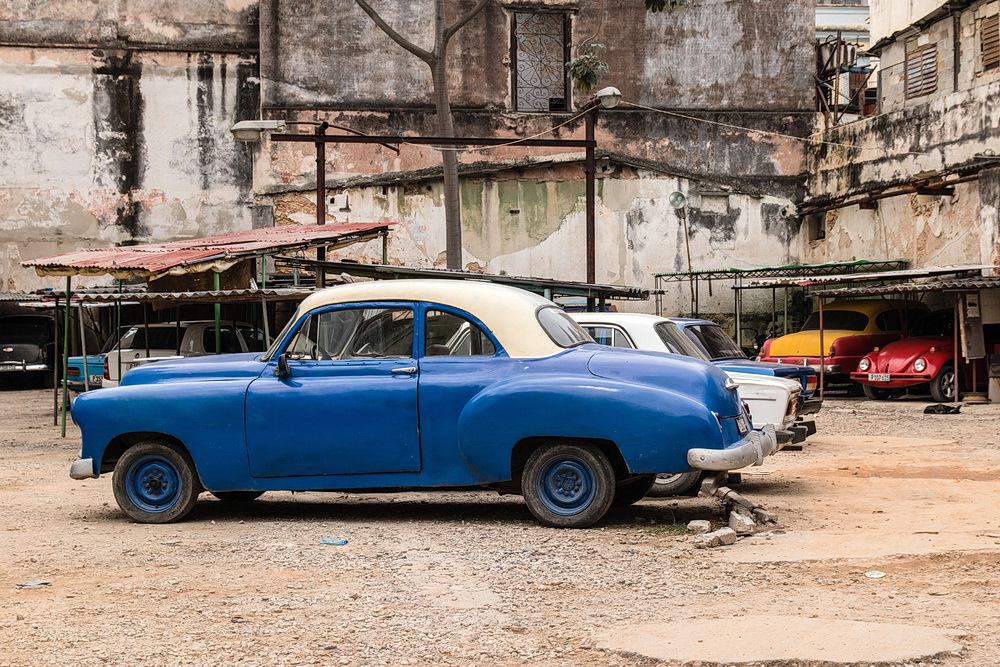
x=606 y=98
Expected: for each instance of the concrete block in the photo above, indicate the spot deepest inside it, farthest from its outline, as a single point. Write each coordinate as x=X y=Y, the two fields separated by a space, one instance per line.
x=699 y=526
x=719 y=538
x=741 y=521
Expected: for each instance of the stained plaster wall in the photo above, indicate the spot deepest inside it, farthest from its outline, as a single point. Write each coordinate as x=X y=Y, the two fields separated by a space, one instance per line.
x=531 y=222
x=114 y=126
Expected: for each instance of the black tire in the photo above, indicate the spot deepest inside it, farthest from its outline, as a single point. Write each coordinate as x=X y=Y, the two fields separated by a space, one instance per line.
x=943 y=385
x=237 y=496
x=674 y=485
x=875 y=393
x=156 y=482
x=632 y=490
x=568 y=485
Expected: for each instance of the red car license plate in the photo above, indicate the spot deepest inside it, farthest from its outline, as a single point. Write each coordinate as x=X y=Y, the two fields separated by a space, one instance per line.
x=878 y=377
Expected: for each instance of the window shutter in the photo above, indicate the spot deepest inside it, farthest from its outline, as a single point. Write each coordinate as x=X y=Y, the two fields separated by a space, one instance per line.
x=991 y=42
x=921 y=71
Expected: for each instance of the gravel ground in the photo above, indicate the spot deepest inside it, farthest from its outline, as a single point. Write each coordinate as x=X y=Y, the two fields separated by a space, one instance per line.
x=470 y=579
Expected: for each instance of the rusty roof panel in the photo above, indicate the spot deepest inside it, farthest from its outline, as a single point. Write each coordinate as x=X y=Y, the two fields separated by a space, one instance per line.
x=191 y=255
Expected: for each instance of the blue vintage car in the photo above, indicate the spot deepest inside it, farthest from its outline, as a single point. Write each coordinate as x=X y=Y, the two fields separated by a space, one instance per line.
x=82 y=376
x=414 y=385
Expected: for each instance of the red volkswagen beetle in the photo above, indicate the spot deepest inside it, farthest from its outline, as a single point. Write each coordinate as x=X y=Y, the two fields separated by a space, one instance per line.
x=927 y=357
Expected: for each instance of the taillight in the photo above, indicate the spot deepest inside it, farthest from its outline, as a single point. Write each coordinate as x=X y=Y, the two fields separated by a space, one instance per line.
x=72 y=372
x=107 y=369
x=812 y=381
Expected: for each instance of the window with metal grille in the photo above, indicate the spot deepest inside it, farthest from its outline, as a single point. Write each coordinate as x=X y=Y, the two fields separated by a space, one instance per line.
x=540 y=48
x=921 y=71
x=991 y=42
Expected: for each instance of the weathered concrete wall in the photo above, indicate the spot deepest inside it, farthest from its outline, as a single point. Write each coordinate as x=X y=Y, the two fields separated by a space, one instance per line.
x=890 y=16
x=113 y=144
x=720 y=54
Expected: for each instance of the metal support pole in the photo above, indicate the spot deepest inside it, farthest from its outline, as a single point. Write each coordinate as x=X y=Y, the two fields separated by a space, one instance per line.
x=321 y=200
x=65 y=360
x=83 y=348
x=590 y=172
x=822 y=354
x=956 y=325
x=55 y=368
x=218 y=316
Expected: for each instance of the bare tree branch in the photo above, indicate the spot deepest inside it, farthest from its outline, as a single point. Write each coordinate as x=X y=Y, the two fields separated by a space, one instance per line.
x=426 y=56
x=465 y=19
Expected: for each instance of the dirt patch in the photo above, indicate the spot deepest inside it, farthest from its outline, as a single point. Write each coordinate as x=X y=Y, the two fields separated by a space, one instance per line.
x=470 y=578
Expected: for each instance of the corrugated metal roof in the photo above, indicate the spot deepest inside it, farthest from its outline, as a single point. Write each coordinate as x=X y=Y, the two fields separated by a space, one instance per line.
x=196 y=255
x=226 y=296
x=804 y=281
x=958 y=284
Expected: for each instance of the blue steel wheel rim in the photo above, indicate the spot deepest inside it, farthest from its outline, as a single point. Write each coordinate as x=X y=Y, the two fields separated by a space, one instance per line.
x=566 y=486
x=153 y=484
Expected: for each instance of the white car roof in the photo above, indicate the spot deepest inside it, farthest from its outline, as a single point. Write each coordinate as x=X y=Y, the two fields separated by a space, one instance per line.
x=508 y=312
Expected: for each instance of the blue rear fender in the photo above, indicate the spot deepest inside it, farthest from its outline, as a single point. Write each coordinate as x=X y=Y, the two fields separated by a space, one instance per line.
x=205 y=417
x=651 y=427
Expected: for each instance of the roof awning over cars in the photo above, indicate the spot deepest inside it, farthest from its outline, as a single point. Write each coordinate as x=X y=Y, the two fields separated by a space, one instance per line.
x=214 y=253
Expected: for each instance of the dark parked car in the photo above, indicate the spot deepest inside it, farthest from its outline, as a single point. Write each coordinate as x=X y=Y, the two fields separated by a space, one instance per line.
x=28 y=346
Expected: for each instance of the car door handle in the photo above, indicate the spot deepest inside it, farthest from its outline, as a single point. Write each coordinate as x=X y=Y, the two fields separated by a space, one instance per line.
x=409 y=370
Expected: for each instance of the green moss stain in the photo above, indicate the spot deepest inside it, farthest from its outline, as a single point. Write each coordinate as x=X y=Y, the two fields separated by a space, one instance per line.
x=504 y=217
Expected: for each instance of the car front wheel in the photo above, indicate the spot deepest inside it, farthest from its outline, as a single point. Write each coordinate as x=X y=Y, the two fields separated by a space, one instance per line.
x=156 y=482
x=568 y=485
x=943 y=385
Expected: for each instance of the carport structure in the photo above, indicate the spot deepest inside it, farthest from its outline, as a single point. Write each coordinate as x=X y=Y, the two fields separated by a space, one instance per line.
x=970 y=311
x=215 y=270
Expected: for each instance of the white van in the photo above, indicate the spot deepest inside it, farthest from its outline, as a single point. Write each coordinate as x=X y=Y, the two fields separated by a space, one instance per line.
x=170 y=340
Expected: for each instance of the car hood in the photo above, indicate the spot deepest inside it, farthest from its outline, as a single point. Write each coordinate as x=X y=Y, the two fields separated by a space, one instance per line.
x=214 y=367
x=691 y=377
x=806 y=343
x=898 y=355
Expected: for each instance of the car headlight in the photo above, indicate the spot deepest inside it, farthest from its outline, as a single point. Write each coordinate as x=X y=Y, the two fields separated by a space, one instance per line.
x=919 y=365
x=864 y=364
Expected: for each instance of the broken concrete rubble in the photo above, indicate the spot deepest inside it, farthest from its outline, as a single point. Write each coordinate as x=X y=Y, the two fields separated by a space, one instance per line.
x=718 y=538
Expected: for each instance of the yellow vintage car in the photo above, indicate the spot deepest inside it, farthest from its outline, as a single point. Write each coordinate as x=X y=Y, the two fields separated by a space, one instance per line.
x=851 y=329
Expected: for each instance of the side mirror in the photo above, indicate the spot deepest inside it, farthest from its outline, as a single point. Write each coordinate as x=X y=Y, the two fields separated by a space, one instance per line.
x=282 y=371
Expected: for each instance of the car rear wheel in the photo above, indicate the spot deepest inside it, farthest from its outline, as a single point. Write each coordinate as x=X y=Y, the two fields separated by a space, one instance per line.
x=674 y=485
x=237 y=496
x=632 y=490
x=568 y=485
x=156 y=482
x=875 y=393
x=943 y=385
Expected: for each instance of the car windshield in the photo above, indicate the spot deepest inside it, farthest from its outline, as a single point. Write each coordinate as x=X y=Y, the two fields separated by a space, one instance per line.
x=561 y=328
x=935 y=324
x=715 y=341
x=839 y=320
x=676 y=342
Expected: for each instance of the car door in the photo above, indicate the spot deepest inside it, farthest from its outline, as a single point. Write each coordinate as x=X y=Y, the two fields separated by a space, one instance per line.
x=348 y=404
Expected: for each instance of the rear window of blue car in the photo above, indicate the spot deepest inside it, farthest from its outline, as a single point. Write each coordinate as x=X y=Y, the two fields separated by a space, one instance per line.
x=561 y=328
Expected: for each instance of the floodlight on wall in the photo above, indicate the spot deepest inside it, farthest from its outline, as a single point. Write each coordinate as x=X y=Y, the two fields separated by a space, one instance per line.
x=609 y=97
x=251 y=130
x=677 y=199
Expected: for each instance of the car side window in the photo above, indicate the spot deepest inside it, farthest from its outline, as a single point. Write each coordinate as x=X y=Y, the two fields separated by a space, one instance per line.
x=253 y=337
x=230 y=344
x=354 y=333
x=450 y=335
x=613 y=336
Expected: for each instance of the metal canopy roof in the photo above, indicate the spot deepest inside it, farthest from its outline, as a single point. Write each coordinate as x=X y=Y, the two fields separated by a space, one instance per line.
x=957 y=284
x=790 y=270
x=227 y=296
x=806 y=281
x=218 y=253
x=547 y=287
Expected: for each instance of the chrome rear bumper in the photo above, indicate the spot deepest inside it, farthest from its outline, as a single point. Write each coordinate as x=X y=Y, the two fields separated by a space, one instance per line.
x=749 y=451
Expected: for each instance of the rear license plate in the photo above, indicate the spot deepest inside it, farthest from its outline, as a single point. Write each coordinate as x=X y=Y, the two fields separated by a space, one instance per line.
x=741 y=424
x=878 y=377
x=96 y=379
